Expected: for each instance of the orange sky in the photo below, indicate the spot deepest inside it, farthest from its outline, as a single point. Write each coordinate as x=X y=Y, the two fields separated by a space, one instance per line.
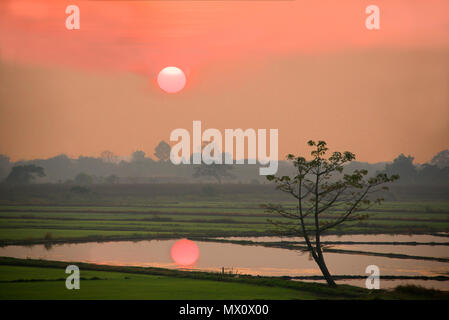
x=308 y=68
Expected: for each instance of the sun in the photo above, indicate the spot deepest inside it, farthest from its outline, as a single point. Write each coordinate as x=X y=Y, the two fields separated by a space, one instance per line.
x=185 y=252
x=171 y=79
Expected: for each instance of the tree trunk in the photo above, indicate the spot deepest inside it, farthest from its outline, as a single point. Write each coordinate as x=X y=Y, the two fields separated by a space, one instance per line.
x=330 y=281
x=319 y=253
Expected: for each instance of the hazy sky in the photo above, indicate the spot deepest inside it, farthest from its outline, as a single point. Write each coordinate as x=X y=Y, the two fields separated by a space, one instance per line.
x=309 y=68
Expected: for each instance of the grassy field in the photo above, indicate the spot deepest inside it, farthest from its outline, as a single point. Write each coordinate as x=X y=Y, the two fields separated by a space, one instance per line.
x=39 y=223
x=51 y=214
x=37 y=279
x=54 y=212
x=47 y=283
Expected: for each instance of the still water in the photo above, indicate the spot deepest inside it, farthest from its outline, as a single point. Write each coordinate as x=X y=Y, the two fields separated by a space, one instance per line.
x=254 y=260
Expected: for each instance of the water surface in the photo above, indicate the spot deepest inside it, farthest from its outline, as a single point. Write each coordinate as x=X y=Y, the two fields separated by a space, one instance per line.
x=254 y=260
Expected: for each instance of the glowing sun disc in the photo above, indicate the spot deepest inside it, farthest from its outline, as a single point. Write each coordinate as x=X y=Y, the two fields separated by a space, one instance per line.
x=185 y=252
x=171 y=79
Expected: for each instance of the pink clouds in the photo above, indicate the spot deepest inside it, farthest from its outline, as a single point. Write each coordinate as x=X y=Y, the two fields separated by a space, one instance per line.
x=145 y=36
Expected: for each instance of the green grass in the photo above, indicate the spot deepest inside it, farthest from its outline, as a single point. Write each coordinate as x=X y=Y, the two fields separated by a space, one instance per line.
x=38 y=279
x=113 y=285
x=30 y=224
x=30 y=214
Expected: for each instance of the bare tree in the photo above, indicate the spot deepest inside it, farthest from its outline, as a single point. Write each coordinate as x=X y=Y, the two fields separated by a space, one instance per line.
x=213 y=170
x=321 y=186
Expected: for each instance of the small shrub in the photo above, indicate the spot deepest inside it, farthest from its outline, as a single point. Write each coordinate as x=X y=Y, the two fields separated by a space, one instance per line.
x=48 y=236
x=417 y=291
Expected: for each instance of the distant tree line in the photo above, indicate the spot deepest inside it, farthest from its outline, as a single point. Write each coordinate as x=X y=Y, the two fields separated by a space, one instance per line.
x=109 y=168
x=435 y=172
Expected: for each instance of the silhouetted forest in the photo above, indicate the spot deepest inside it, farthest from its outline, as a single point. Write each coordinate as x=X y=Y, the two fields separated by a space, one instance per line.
x=141 y=168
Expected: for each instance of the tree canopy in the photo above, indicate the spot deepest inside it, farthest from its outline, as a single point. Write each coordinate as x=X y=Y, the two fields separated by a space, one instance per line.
x=25 y=174
x=162 y=151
